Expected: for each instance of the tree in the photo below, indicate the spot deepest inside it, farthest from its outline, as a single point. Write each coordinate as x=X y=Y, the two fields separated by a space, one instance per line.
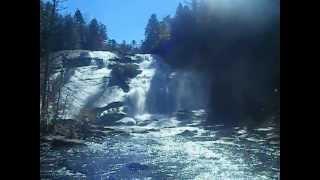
x=80 y=28
x=152 y=33
x=133 y=43
x=47 y=33
x=78 y=18
x=124 y=47
x=71 y=35
x=97 y=35
x=164 y=29
x=228 y=49
x=93 y=35
x=103 y=34
x=112 y=44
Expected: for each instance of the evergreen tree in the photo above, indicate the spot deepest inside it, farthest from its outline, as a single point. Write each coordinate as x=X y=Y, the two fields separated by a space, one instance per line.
x=152 y=33
x=60 y=34
x=80 y=28
x=97 y=35
x=112 y=44
x=103 y=37
x=133 y=43
x=124 y=47
x=164 y=29
x=134 y=47
x=94 y=41
x=71 y=36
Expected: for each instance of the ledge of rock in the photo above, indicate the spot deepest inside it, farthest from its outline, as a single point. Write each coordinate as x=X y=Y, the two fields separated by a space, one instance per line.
x=61 y=141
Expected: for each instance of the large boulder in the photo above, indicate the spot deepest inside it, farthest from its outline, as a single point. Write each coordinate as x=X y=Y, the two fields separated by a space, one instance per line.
x=72 y=129
x=110 y=118
x=113 y=105
x=69 y=128
x=129 y=58
x=122 y=73
x=82 y=60
x=123 y=60
x=127 y=121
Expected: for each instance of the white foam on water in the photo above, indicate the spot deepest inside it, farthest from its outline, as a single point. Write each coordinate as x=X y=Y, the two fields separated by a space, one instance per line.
x=140 y=85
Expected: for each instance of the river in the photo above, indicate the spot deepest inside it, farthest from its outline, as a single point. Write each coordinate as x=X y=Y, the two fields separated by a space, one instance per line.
x=170 y=147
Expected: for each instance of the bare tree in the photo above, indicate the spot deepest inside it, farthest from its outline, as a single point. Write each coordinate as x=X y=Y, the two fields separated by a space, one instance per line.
x=57 y=92
x=44 y=113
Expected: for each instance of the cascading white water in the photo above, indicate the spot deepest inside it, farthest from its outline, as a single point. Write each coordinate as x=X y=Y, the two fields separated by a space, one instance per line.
x=138 y=97
x=156 y=90
x=140 y=85
x=89 y=84
x=83 y=84
x=191 y=90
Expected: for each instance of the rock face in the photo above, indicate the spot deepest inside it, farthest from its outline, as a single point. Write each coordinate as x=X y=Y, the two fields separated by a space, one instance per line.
x=122 y=73
x=103 y=88
x=97 y=84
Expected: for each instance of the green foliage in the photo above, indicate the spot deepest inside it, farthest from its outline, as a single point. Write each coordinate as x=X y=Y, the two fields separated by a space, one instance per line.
x=69 y=32
x=152 y=35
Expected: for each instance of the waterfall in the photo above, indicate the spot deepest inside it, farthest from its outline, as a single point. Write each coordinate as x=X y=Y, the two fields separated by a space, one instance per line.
x=138 y=97
x=140 y=85
x=162 y=90
x=191 y=90
x=158 y=89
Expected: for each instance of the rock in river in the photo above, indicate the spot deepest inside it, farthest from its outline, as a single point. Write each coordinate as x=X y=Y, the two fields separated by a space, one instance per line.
x=127 y=121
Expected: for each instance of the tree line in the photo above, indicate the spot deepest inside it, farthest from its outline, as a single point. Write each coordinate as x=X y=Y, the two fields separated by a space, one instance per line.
x=68 y=32
x=242 y=59
x=197 y=32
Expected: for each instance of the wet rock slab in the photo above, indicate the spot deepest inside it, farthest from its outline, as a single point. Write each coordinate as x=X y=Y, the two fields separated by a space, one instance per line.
x=61 y=141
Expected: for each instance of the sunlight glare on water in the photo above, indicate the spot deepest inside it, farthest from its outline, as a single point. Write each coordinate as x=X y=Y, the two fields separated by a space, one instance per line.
x=170 y=150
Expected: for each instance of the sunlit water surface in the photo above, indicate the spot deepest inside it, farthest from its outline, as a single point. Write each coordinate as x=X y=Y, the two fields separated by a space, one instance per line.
x=170 y=148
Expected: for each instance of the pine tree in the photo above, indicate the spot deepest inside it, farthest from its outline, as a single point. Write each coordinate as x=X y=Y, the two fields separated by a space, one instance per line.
x=97 y=35
x=93 y=35
x=133 y=43
x=152 y=33
x=112 y=44
x=124 y=47
x=164 y=29
x=71 y=35
x=177 y=22
x=80 y=28
x=59 y=35
x=103 y=37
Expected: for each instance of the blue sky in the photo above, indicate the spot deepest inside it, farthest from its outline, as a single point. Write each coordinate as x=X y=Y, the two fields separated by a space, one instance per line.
x=125 y=19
